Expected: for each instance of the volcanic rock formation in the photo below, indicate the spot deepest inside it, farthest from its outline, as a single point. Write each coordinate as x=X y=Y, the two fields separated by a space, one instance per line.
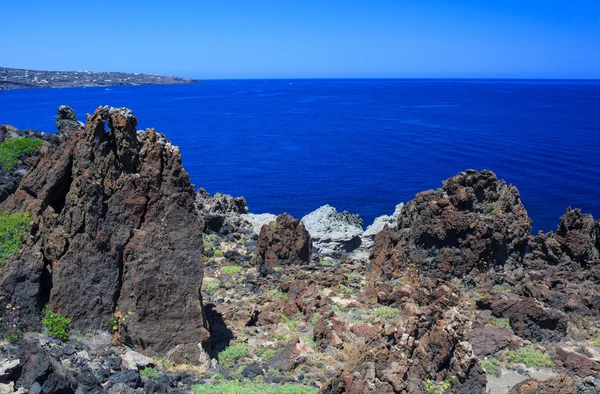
x=282 y=242
x=114 y=230
x=474 y=222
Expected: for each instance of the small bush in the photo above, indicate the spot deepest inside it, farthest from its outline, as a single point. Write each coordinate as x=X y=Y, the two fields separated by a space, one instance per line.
x=277 y=294
x=386 y=313
x=231 y=270
x=499 y=321
x=291 y=323
x=57 y=326
x=149 y=372
x=439 y=388
x=315 y=318
x=267 y=354
x=530 y=356
x=218 y=253
x=235 y=387
x=211 y=285
x=229 y=355
x=596 y=340
x=11 y=149
x=13 y=227
x=490 y=365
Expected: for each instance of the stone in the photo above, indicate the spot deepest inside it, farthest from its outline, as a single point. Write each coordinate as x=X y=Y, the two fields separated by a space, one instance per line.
x=292 y=355
x=115 y=231
x=557 y=385
x=282 y=242
x=221 y=211
x=487 y=341
x=473 y=223
x=135 y=361
x=368 y=236
x=579 y=364
x=8 y=368
x=66 y=122
x=333 y=233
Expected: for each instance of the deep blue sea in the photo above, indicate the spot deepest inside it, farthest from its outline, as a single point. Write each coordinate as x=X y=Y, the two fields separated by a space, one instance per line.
x=361 y=145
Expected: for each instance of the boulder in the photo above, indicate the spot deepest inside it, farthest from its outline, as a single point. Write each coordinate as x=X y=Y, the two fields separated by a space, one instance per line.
x=487 y=341
x=333 y=233
x=258 y=220
x=114 y=233
x=135 y=361
x=292 y=355
x=221 y=210
x=368 y=236
x=471 y=224
x=579 y=364
x=66 y=122
x=528 y=318
x=282 y=242
x=557 y=385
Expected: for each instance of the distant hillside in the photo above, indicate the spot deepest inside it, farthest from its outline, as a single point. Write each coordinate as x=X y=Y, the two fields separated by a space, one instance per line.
x=14 y=78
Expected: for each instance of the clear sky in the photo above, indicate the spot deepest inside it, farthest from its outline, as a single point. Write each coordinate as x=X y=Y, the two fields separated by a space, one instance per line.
x=306 y=39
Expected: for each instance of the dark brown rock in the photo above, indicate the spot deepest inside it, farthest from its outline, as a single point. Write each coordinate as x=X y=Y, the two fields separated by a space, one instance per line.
x=474 y=222
x=282 y=242
x=413 y=351
x=331 y=331
x=528 y=318
x=557 y=385
x=579 y=364
x=115 y=230
x=293 y=354
x=489 y=340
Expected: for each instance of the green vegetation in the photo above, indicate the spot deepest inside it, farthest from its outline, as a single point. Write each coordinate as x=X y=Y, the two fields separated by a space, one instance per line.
x=218 y=253
x=490 y=365
x=231 y=270
x=386 y=313
x=267 y=354
x=11 y=149
x=57 y=326
x=211 y=285
x=232 y=353
x=291 y=323
x=596 y=340
x=277 y=270
x=110 y=323
x=277 y=294
x=439 y=387
x=530 y=356
x=149 y=372
x=235 y=387
x=315 y=318
x=499 y=321
x=12 y=230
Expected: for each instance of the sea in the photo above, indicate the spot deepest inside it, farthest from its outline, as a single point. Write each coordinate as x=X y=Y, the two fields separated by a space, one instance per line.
x=361 y=145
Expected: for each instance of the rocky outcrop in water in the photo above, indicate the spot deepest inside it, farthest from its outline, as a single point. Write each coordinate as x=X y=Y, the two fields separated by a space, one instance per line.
x=333 y=233
x=114 y=230
x=282 y=242
x=473 y=223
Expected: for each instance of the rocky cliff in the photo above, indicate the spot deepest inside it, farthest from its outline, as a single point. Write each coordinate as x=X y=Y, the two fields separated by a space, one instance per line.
x=113 y=229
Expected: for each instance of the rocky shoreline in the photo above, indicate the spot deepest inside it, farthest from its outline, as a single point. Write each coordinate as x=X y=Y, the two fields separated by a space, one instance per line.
x=119 y=277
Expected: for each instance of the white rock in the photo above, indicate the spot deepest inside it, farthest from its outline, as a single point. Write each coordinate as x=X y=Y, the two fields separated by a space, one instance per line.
x=7 y=388
x=7 y=367
x=134 y=360
x=333 y=233
x=258 y=219
x=368 y=237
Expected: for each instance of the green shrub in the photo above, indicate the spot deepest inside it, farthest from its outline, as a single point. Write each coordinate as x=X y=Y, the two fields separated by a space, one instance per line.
x=277 y=294
x=490 y=365
x=12 y=230
x=235 y=387
x=231 y=270
x=315 y=318
x=57 y=326
x=530 y=356
x=499 y=321
x=11 y=149
x=267 y=354
x=291 y=323
x=596 y=340
x=149 y=372
x=218 y=253
x=440 y=387
x=229 y=355
x=211 y=285
x=386 y=313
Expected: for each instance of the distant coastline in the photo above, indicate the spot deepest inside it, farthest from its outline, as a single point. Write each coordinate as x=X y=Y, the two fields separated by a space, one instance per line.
x=15 y=78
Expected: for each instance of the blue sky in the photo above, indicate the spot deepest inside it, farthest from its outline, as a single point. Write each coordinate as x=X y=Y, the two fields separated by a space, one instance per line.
x=306 y=39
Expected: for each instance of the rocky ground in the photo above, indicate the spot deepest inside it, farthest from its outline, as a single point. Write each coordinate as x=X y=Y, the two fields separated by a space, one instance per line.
x=449 y=294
